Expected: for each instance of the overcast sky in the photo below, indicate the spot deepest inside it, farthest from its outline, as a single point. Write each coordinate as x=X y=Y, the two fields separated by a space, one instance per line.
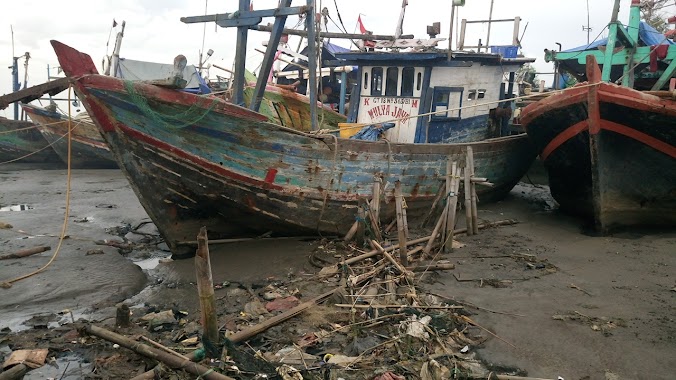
x=155 y=33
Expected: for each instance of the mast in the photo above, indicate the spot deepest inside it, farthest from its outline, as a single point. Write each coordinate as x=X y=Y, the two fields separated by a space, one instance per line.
x=311 y=62
x=115 y=60
x=490 y=18
x=400 y=23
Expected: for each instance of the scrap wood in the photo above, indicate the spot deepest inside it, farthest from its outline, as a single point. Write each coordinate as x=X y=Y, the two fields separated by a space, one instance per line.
x=494 y=376
x=573 y=286
x=25 y=253
x=259 y=328
x=432 y=267
x=451 y=307
x=162 y=347
x=471 y=322
x=474 y=306
x=15 y=373
x=31 y=358
x=170 y=360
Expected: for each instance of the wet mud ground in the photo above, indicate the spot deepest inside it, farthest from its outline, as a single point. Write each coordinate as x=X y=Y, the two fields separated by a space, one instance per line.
x=562 y=302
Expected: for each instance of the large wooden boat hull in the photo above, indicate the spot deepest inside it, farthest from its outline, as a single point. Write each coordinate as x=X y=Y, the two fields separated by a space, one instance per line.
x=88 y=150
x=231 y=170
x=20 y=141
x=609 y=152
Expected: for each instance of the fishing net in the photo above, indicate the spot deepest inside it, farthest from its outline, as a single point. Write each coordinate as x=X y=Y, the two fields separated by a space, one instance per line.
x=174 y=120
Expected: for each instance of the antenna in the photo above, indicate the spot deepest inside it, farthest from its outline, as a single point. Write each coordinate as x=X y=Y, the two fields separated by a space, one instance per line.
x=587 y=28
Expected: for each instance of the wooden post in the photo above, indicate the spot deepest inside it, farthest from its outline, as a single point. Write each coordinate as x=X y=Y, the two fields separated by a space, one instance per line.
x=205 y=289
x=122 y=316
x=448 y=223
x=401 y=225
x=475 y=212
x=468 y=199
x=452 y=204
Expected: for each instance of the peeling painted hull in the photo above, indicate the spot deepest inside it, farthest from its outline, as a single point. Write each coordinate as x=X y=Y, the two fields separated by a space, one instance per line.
x=240 y=175
x=16 y=144
x=610 y=155
x=230 y=169
x=88 y=150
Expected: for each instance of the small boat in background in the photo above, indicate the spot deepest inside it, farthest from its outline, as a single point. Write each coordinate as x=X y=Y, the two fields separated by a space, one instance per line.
x=20 y=141
x=610 y=150
x=88 y=150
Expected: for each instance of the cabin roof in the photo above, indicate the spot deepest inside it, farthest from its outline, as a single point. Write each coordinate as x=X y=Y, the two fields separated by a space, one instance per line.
x=425 y=58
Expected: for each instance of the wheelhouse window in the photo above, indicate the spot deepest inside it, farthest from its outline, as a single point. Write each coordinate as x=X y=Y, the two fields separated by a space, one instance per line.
x=407 y=77
x=392 y=82
x=366 y=80
x=377 y=81
x=418 y=82
x=481 y=94
x=446 y=102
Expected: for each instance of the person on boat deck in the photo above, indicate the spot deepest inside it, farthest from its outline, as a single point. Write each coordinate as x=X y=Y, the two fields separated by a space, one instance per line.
x=327 y=91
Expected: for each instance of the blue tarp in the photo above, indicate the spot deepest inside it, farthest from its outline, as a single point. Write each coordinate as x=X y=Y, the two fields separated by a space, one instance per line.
x=648 y=36
x=372 y=132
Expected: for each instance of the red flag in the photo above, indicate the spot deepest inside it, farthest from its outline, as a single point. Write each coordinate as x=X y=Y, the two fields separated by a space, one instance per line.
x=363 y=30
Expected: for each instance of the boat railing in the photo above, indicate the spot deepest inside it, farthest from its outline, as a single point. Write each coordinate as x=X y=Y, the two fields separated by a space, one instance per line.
x=508 y=53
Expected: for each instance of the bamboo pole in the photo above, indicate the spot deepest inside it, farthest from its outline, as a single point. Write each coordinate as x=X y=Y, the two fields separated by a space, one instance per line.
x=437 y=198
x=375 y=226
x=375 y=252
x=361 y=218
x=375 y=200
x=453 y=205
x=475 y=213
x=451 y=168
x=401 y=227
x=170 y=360
x=352 y=232
x=205 y=289
x=389 y=257
x=435 y=232
x=468 y=199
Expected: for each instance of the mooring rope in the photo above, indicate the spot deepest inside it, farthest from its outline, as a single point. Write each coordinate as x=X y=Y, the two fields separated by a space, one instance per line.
x=64 y=227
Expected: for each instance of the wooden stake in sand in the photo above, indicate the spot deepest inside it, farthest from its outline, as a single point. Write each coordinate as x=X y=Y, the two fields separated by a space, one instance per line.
x=401 y=224
x=468 y=198
x=475 y=214
x=123 y=315
x=205 y=288
x=375 y=201
x=451 y=202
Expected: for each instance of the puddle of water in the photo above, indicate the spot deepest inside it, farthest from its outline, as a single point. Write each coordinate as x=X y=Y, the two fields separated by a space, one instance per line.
x=16 y=208
x=67 y=367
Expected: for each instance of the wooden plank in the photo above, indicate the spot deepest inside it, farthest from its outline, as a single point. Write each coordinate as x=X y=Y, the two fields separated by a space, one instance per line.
x=475 y=212
x=34 y=92
x=246 y=14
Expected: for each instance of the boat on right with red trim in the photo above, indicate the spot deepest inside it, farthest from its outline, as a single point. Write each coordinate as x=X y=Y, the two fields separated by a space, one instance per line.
x=610 y=149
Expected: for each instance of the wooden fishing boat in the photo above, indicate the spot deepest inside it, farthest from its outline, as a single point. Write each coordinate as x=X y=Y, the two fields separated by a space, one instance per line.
x=88 y=150
x=610 y=150
x=20 y=141
x=201 y=161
